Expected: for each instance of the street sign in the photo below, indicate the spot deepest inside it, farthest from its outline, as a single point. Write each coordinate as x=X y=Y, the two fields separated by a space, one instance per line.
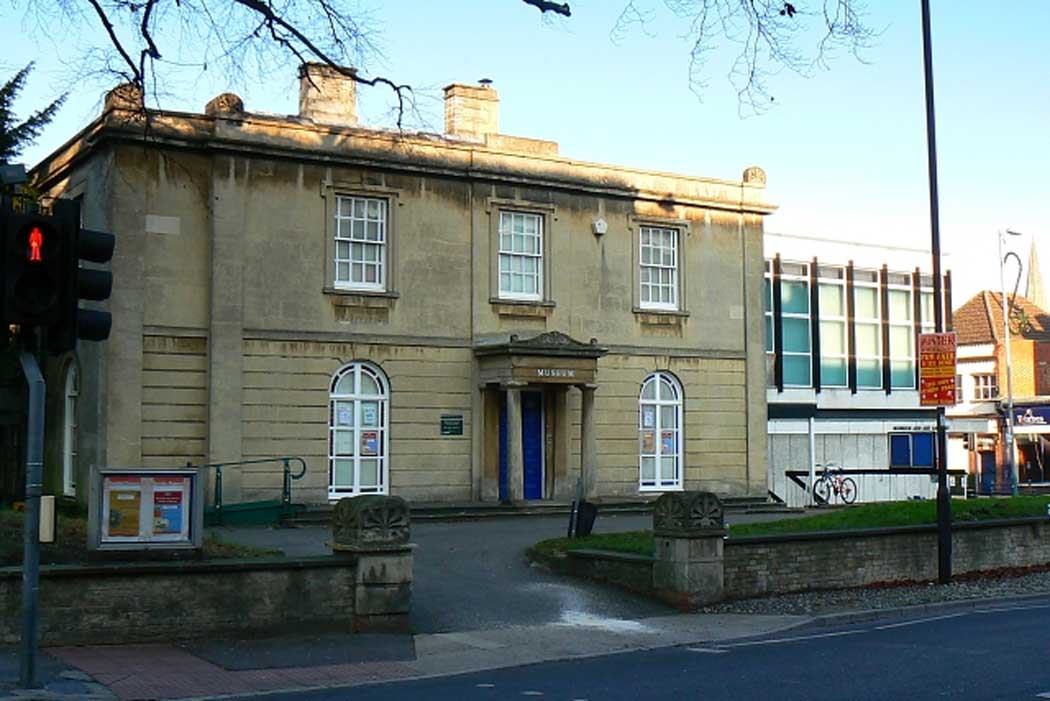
x=937 y=369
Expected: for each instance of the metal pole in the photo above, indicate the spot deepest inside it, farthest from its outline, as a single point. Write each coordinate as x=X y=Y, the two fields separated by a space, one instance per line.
x=1008 y=425
x=31 y=528
x=944 y=505
x=812 y=461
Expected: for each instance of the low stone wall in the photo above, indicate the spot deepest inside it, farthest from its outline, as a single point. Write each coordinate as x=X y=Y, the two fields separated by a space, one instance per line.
x=766 y=564
x=759 y=565
x=143 y=602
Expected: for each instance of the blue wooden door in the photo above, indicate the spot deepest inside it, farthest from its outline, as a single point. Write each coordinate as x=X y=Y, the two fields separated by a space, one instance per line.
x=532 y=443
x=987 y=472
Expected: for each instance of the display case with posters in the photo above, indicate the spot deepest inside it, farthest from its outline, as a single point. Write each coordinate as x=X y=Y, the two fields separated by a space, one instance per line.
x=144 y=509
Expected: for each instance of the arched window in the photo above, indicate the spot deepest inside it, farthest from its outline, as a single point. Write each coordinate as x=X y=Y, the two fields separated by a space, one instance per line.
x=660 y=427
x=69 y=431
x=358 y=423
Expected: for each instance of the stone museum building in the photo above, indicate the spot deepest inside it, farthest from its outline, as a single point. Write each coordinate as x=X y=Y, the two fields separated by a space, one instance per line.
x=466 y=316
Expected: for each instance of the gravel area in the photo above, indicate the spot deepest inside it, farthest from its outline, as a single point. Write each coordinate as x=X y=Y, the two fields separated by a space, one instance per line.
x=839 y=600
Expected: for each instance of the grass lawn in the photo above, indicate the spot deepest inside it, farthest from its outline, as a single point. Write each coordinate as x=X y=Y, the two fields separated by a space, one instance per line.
x=882 y=515
x=70 y=544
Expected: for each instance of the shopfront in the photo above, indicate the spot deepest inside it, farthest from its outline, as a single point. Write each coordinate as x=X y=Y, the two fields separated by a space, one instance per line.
x=1032 y=435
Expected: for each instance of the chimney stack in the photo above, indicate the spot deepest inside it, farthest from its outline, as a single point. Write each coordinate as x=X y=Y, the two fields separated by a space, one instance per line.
x=327 y=96
x=471 y=111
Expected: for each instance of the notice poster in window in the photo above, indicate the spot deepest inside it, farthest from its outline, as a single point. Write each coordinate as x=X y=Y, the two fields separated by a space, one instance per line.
x=344 y=415
x=369 y=415
x=369 y=443
x=124 y=499
x=667 y=442
x=648 y=442
x=169 y=506
x=648 y=416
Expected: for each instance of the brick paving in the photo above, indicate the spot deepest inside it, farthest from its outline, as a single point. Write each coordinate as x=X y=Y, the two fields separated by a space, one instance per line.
x=134 y=672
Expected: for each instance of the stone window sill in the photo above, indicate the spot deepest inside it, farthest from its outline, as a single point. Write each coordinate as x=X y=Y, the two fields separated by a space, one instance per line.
x=522 y=308
x=660 y=317
x=361 y=298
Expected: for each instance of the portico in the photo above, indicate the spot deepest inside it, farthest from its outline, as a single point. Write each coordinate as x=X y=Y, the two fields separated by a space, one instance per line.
x=526 y=422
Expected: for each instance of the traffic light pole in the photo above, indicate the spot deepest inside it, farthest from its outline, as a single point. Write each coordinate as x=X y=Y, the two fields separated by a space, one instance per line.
x=31 y=528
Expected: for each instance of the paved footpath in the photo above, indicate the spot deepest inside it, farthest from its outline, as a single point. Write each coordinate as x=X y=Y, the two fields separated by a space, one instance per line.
x=246 y=668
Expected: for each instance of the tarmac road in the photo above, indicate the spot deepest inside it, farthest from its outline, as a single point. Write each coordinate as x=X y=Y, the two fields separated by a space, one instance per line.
x=473 y=575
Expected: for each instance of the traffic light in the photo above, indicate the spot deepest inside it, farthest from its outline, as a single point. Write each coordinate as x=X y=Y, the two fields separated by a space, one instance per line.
x=81 y=283
x=34 y=253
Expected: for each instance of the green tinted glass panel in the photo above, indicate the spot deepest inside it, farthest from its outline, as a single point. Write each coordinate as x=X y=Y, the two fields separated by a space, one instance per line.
x=869 y=373
x=769 y=334
x=797 y=370
x=831 y=300
x=794 y=297
x=833 y=372
x=900 y=305
x=926 y=298
x=902 y=373
x=796 y=335
x=767 y=302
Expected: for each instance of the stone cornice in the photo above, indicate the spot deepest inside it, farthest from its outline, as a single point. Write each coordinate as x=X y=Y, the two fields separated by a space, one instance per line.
x=291 y=138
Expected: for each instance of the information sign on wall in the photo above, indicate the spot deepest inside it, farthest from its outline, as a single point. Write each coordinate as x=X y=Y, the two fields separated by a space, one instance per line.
x=452 y=424
x=143 y=509
x=937 y=369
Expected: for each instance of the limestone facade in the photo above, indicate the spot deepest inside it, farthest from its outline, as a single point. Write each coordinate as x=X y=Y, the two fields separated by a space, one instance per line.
x=303 y=286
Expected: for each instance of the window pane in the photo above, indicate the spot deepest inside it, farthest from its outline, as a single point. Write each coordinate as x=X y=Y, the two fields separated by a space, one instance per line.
x=648 y=469
x=668 y=417
x=900 y=305
x=344 y=411
x=902 y=373
x=867 y=302
x=345 y=385
x=343 y=473
x=867 y=339
x=901 y=338
x=342 y=272
x=900 y=450
x=831 y=303
x=794 y=297
x=869 y=373
x=766 y=303
x=796 y=335
x=797 y=370
x=832 y=338
x=922 y=450
x=368 y=384
x=344 y=443
x=667 y=469
x=769 y=334
x=833 y=372
x=649 y=390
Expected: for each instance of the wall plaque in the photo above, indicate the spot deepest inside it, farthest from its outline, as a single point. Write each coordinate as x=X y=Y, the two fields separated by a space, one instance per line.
x=452 y=424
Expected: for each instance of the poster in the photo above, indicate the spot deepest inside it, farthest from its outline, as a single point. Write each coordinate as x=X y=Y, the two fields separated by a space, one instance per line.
x=648 y=442
x=937 y=369
x=667 y=443
x=369 y=443
x=124 y=499
x=648 y=416
x=369 y=415
x=344 y=415
x=169 y=510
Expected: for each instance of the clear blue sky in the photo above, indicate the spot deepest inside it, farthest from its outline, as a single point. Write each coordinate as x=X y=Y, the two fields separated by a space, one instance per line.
x=844 y=150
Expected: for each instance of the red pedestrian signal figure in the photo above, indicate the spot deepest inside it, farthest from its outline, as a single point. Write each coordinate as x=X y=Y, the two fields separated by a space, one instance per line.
x=36 y=242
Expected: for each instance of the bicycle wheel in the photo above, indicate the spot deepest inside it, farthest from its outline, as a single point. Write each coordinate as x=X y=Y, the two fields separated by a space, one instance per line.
x=848 y=490
x=822 y=491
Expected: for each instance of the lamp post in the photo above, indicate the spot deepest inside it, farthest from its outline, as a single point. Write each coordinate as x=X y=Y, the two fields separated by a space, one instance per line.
x=1008 y=431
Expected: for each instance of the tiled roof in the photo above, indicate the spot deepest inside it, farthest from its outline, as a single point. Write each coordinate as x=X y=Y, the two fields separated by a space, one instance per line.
x=980 y=320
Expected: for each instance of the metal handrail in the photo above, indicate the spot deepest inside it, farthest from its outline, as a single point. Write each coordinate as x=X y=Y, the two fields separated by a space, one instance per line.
x=286 y=482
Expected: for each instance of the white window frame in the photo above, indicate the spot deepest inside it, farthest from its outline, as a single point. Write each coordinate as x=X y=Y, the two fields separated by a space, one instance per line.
x=355 y=399
x=985 y=386
x=802 y=277
x=70 y=421
x=770 y=330
x=841 y=321
x=346 y=238
x=507 y=256
x=658 y=483
x=895 y=354
x=646 y=287
x=875 y=322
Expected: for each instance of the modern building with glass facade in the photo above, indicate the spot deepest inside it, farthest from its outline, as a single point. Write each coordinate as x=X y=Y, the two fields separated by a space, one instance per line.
x=842 y=325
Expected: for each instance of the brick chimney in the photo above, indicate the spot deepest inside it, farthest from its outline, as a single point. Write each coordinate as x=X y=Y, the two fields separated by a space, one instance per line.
x=471 y=111
x=327 y=96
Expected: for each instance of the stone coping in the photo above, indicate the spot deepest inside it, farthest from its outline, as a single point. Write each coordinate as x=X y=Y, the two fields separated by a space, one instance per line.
x=185 y=567
x=589 y=554
x=886 y=531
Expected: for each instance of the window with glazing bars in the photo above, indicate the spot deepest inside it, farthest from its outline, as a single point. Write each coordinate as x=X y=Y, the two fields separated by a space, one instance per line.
x=520 y=255
x=360 y=243
x=659 y=268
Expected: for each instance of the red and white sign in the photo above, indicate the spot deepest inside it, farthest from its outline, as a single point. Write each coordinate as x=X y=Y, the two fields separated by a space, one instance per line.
x=937 y=369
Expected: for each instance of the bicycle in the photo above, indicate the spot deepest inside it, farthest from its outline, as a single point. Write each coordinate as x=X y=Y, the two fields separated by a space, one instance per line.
x=833 y=483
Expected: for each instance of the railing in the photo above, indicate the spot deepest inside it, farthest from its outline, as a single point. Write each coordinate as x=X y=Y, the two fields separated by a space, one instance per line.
x=286 y=483
x=801 y=479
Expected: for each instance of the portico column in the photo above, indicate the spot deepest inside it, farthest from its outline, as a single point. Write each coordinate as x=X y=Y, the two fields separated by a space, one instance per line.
x=588 y=442
x=515 y=458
